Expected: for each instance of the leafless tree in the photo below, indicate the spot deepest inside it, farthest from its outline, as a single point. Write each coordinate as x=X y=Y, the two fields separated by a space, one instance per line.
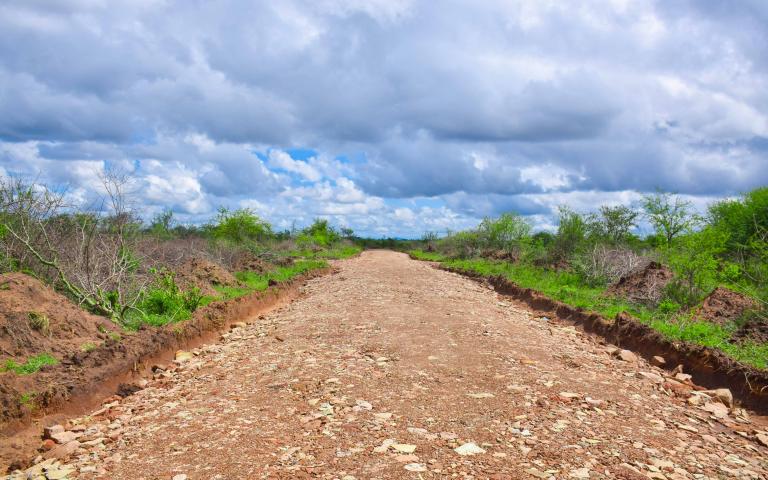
x=86 y=252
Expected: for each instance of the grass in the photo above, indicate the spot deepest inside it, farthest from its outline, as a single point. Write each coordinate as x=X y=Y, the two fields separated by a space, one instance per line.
x=32 y=365
x=88 y=347
x=333 y=253
x=27 y=400
x=568 y=288
x=39 y=322
x=253 y=282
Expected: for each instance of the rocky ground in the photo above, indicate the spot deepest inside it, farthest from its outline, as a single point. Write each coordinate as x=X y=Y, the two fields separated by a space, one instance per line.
x=392 y=369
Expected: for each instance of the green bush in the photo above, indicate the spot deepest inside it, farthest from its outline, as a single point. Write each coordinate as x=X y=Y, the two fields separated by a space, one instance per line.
x=508 y=232
x=240 y=226
x=694 y=259
x=319 y=234
x=165 y=303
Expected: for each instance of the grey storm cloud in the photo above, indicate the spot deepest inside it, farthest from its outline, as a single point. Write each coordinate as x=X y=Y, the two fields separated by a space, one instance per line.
x=486 y=105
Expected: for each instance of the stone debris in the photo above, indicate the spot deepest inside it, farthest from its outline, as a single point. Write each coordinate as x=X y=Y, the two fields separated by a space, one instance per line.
x=404 y=371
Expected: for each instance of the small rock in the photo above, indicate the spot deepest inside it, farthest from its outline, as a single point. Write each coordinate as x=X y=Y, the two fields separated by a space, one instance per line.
x=626 y=356
x=48 y=444
x=235 y=325
x=58 y=473
x=480 y=395
x=658 y=361
x=180 y=476
x=415 y=467
x=62 y=452
x=717 y=409
x=403 y=447
x=723 y=394
x=683 y=377
x=654 y=377
x=579 y=473
x=762 y=439
x=409 y=458
x=569 y=396
x=63 y=437
x=183 y=356
x=48 y=432
x=468 y=449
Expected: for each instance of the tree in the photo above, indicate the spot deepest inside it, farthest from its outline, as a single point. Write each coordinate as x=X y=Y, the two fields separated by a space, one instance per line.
x=347 y=233
x=162 y=223
x=85 y=253
x=240 y=226
x=669 y=214
x=505 y=232
x=572 y=231
x=617 y=222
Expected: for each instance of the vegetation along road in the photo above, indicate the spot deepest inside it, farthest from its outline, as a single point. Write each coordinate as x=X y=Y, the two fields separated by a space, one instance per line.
x=391 y=368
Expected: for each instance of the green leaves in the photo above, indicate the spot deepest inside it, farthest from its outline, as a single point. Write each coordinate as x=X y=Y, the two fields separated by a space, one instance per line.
x=240 y=226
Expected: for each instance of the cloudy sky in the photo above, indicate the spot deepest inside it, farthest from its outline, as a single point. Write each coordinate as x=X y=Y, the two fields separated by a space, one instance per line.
x=389 y=116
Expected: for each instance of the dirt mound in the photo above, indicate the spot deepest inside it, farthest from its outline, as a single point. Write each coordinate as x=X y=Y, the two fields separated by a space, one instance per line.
x=35 y=319
x=644 y=285
x=248 y=262
x=755 y=331
x=204 y=274
x=723 y=305
x=503 y=255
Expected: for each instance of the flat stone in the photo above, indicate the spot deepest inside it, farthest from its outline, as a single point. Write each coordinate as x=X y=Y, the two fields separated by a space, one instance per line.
x=415 y=467
x=626 y=356
x=64 y=437
x=183 y=356
x=403 y=447
x=654 y=377
x=63 y=451
x=468 y=449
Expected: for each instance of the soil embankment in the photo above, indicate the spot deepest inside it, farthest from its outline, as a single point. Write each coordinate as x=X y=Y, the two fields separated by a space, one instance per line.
x=85 y=377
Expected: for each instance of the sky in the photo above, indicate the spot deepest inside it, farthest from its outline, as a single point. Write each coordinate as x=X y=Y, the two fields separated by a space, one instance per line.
x=392 y=117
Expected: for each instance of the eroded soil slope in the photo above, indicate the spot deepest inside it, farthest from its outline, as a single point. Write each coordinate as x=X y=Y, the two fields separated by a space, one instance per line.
x=392 y=369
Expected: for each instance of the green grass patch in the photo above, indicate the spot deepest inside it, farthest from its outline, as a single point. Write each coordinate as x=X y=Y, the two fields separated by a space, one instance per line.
x=253 y=282
x=332 y=253
x=32 y=365
x=569 y=288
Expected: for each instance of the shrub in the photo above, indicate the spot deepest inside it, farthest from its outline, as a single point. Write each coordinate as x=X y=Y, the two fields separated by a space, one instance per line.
x=240 y=226
x=571 y=234
x=602 y=264
x=693 y=258
x=508 y=232
x=165 y=302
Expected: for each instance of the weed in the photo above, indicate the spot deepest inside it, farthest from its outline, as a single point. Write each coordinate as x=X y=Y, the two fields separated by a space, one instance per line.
x=39 y=322
x=27 y=400
x=114 y=336
x=165 y=303
x=88 y=347
x=32 y=365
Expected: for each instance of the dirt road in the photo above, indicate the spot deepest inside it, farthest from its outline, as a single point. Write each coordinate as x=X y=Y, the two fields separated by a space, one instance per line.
x=385 y=368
